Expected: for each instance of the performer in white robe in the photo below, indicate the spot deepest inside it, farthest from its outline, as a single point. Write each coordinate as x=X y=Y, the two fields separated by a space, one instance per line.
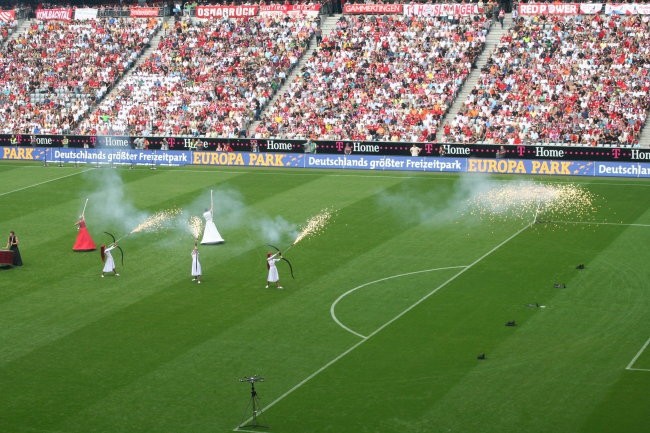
x=109 y=263
x=196 y=265
x=210 y=233
x=273 y=276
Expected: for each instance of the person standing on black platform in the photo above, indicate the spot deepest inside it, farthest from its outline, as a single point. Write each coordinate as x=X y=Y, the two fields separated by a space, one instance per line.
x=12 y=244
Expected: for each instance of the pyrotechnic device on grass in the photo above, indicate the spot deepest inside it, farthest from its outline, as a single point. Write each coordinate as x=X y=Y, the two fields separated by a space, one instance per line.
x=196 y=226
x=522 y=199
x=315 y=225
x=155 y=222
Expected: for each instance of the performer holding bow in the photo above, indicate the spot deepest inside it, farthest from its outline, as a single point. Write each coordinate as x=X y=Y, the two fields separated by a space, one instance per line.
x=273 y=276
x=107 y=257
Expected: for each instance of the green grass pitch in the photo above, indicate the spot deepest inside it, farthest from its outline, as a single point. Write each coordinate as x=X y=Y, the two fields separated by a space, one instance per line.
x=379 y=331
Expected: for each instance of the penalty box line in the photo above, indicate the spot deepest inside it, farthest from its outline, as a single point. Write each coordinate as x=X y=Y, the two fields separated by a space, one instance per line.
x=385 y=325
x=629 y=366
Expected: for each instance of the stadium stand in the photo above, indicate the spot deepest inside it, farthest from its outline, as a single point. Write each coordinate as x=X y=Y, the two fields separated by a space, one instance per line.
x=56 y=70
x=206 y=78
x=6 y=28
x=572 y=80
x=576 y=79
x=383 y=78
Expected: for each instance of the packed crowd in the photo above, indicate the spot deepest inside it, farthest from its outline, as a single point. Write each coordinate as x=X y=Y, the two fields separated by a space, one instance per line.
x=51 y=74
x=6 y=28
x=577 y=80
x=383 y=78
x=207 y=78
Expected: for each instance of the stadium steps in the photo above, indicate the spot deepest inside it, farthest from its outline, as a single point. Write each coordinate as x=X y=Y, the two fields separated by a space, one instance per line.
x=328 y=23
x=153 y=44
x=19 y=30
x=644 y=138
x=491 y=41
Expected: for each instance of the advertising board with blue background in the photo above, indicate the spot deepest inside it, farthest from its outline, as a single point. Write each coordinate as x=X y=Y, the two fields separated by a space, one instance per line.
x=326 y=161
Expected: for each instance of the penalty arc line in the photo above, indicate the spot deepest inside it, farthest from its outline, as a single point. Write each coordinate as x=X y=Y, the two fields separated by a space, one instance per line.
x=333 y=306
x=629 y=366
x=44 y=182
x=382 y=327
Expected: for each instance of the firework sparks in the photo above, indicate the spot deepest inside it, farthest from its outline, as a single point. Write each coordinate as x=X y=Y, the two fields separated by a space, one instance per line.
x=196 y=224
x=315 y=225
x=156 y=221
x=524 y=199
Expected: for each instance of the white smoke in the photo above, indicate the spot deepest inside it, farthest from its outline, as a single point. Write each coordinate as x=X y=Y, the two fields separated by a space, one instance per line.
x=112 y=209
x=439 y=205
x=275 y=229
x=110 y=206
x=231 y=213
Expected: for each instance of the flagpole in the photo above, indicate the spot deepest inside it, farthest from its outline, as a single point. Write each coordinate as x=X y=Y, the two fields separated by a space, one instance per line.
x=83 y=212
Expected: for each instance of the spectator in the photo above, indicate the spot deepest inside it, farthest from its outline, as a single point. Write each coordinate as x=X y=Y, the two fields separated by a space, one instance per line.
x=55 y=71
x=310 y=146
x=207 y=78
x=382 y=78
x=571 y=80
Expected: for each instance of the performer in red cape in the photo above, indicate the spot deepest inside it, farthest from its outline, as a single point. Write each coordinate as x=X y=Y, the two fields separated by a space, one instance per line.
x=84 y=241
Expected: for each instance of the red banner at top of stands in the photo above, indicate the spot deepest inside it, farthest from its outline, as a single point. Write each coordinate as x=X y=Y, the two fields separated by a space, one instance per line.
x=445 y=9
x=549 y=9
x=627 y=8
x=590 y=8
x=442 y=9
x=382 y=9
x=289 y=8
x=226 y=11
x=142 y=12
x=284 y=9
x=7 y=16
x=60 y=14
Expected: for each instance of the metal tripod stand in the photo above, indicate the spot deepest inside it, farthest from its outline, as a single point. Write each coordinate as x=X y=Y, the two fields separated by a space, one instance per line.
x=254 y=406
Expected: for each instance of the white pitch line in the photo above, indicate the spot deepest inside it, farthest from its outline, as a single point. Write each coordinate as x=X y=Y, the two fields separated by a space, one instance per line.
x=274 y=172
x=629 y=366
x=333 y=307
x=44 y=182
x=376 y=331
x=595 y=223
x=306 y=171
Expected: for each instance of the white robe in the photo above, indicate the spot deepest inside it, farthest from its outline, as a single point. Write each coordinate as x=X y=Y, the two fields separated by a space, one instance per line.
x=210 y=233
x=109 y=263
x=196 y=265
x=273 y=277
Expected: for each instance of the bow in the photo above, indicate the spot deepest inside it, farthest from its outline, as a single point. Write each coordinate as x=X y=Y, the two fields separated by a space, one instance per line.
x=118 y=247
x=282 y=258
